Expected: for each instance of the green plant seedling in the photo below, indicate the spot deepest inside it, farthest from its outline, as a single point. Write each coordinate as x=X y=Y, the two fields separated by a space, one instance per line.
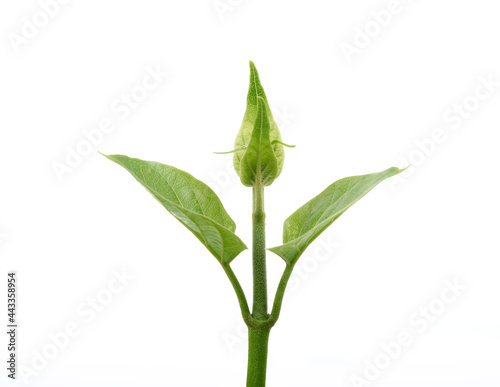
x=258 y=158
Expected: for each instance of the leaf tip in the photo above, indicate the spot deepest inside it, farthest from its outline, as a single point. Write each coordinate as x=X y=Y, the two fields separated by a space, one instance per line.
x=397 y=171
x=109 y=157
x=282 y=143
x=231 y=151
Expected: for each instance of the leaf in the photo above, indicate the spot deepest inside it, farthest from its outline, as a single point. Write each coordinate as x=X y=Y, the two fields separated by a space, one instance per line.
x=191 y=201
x=259 y=164
x=309 y=221
x=244 y=136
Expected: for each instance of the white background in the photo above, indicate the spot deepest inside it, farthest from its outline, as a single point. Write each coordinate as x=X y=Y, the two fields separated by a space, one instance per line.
x=177 y=321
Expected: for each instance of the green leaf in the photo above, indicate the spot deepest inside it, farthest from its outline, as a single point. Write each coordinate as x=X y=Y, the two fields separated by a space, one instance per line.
x=191 y=201
x=309 y=221
x=244 y=136
x=259 y=165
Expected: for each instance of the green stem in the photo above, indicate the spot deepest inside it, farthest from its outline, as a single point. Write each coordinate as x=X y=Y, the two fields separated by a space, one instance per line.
x=280 y=293
x=245 y=311
x=259 y=310
x=257 y=357
x=258 y=336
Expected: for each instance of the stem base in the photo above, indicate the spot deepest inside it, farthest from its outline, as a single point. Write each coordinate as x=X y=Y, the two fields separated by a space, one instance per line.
x=258 y=340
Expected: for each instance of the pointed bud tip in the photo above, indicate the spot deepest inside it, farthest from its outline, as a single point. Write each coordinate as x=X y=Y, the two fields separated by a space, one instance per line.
x=253 y=69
